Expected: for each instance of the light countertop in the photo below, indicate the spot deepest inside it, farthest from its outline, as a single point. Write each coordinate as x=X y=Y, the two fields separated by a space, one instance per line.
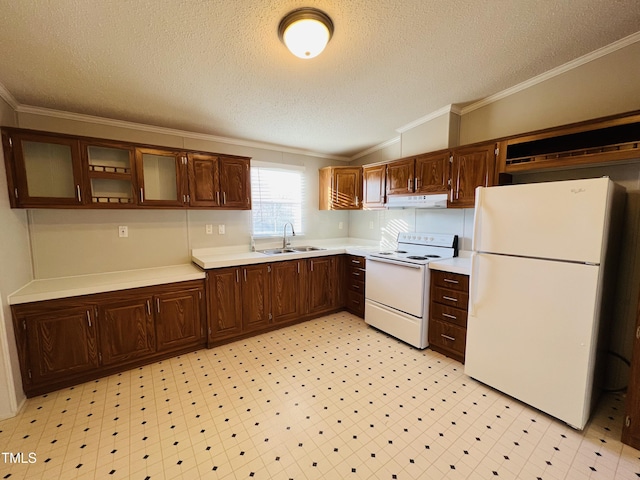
x=52 y=288
x=460 y=264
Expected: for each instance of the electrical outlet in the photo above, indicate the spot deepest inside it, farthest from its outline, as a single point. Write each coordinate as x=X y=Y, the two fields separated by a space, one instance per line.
x=221 y=230
x=371 y=225
x=123 y=231
x=208 y=228
x=340 y=225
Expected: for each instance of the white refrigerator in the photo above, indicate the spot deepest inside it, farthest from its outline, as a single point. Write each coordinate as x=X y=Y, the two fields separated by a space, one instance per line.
x=543 y=267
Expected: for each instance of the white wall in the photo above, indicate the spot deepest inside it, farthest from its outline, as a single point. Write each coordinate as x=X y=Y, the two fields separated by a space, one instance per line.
x=15 y=271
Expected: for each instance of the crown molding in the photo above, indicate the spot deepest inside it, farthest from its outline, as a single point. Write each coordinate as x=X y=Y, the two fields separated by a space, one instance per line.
x=375 y=148
x=7 y=97
x=435 y=114
x=589 y=57
x=48 y=112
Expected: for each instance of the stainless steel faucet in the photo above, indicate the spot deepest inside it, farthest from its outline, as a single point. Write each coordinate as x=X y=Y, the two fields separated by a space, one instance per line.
x=285 y=241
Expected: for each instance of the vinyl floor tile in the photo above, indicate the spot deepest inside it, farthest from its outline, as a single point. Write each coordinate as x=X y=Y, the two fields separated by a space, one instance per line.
x=329 y=398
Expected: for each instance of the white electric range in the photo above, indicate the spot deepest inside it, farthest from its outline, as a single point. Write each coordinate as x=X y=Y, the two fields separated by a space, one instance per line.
x=397 y=286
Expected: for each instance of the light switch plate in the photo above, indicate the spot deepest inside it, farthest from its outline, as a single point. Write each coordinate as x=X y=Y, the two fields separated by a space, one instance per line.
x=221 y=230
x=123 y=231
x=209 y=229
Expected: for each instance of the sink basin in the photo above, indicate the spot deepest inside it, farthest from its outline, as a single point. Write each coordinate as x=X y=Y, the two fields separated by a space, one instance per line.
x=276 y=251
x=307 y=249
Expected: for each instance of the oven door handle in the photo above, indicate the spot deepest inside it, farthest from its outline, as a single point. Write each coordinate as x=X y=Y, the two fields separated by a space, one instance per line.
x=393 y=262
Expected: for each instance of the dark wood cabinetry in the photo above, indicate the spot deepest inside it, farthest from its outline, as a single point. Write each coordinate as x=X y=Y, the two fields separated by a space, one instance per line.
x=288 y=295
x=72 y=340
x=470 y=168
x=340 y=188
x=322 y=277
x=374 y=186
x=448 y=313
x=355 y=281
x=225 y=297
x=256 y=297
x=400 y=175
x=56 y=170
x=219 y=181
x=432 y=173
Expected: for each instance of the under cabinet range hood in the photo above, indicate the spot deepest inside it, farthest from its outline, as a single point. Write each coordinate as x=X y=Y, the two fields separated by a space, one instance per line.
x=417 y=201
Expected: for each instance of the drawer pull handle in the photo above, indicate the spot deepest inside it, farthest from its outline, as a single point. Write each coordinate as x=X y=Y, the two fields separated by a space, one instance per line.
x=448 y=280
x=447 y=337
x=355 y=261
x=355 y=286
x=451 y=299
x=452 y=317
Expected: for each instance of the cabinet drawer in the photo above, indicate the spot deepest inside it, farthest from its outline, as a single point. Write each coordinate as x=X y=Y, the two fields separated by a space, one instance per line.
x=356 y=261
x=452 y=298
x=355 y=303
x=356 y=273
x=454 y=281
x=448 y=336
x=453 y=315
x=356 y=286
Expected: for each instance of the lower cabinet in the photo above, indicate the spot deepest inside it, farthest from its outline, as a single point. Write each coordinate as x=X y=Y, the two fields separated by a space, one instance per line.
x=72 y=340
x=254 y=298
x=448 y=313
x=355 y=280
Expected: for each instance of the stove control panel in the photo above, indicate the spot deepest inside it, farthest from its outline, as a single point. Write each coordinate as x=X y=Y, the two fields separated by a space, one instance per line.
x=434 y=239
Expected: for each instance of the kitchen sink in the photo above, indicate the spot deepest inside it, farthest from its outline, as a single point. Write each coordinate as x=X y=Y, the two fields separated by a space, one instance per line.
x=307 y=249
x=276 y=251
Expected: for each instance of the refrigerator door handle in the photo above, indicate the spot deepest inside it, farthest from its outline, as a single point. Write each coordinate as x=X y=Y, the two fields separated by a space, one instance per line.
x=473 y=284
x=475 y=240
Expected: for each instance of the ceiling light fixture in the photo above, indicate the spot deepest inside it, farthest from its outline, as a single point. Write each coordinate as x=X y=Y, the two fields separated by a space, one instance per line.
x=306 y=31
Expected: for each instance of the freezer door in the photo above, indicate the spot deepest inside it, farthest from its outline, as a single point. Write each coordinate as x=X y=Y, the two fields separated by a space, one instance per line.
x=557 y=220
x=532 y=332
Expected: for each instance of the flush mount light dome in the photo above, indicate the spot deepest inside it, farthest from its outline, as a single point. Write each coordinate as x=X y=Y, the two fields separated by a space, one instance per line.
x=305 y=32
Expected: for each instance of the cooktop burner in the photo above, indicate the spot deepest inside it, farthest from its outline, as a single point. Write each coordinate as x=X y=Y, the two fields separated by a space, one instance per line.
x=417 y=257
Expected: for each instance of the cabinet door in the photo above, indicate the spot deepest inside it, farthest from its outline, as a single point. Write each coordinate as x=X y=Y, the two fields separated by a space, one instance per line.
x=161 y=177
x=321 y=274
x=110 y=172
x=60 y=344
x=235 y=183
x=48 y=170
x=470 y=168
x=631 y=427
x=400 y=177
x=373 y=186
x=204 y=180
x=432 y=173
x=178 y=319
x=346 y=188
x=225 y=315
x=287 y=298
x=126 y=329
x=256 y=297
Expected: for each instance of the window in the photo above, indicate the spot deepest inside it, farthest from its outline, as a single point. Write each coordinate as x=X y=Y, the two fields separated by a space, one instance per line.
x=277 y=192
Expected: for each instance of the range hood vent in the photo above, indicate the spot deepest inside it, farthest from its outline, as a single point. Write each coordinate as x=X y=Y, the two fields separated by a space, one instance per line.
x=417 y=201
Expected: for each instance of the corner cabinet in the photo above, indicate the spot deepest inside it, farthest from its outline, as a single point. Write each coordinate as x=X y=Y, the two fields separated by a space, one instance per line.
x=47 y=170
x=72 y=340
x=340 y=188
x=471 y=167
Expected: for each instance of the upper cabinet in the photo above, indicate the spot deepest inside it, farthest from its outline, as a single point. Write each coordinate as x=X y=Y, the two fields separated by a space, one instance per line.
x=340 y=188
x=470 y=168
x=47 y=170
x=374 y=186
x=423 y=174
x=54 y=170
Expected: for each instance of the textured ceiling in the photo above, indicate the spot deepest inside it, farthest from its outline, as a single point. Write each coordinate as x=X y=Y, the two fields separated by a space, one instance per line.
x=217 y=67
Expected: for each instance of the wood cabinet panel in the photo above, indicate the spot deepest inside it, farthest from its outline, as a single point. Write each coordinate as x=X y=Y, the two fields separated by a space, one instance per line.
x=340 y=188
x=161 y=177
x=432 y=173
x=631 y=425
x=374 y=186
x=225 y=294
x=322 y=278
x=400 y=177
x=204 y=180
x=287 y=290
x=59 y=344
x=355 y=284
x=179 y=319
x=448 y=336
x=256 y=297
x=235 y=183
x=126 y=330
x=109 y=168
x=470 y=168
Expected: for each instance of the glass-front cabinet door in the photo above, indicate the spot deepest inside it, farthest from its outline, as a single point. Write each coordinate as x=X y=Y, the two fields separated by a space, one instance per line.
x=161 y=177
x=48 y=170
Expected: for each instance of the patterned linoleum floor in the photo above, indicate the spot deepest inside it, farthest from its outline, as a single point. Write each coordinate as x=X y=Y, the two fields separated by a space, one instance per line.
x=327 y=399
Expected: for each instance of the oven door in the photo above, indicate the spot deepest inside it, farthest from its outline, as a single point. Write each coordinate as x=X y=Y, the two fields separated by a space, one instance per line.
x=400 y=286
